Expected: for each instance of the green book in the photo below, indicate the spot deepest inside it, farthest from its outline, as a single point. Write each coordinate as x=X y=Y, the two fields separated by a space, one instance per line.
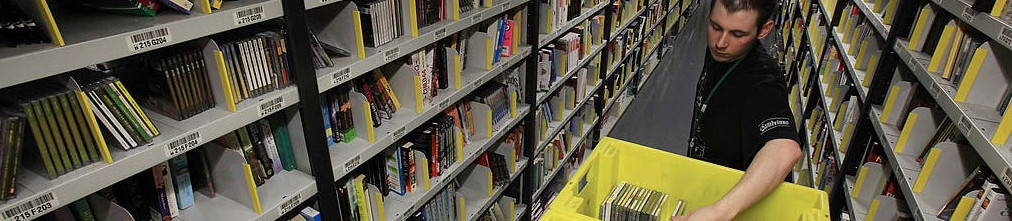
x=42 y=140
x=283 y=142
x=61 y=147
x=82 y=210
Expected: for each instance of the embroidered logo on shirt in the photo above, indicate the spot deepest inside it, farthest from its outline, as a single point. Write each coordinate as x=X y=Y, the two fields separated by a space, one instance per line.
x=770 y=124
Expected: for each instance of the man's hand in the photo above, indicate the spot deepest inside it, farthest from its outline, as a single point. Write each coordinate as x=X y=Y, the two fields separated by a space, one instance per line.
x=707 y=213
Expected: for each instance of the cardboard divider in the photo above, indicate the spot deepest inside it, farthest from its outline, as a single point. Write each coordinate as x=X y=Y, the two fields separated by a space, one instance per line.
x=942 y=50
x=233 y=177
x=221 y=83
x=944 y=170
x=482 y=115
x=510 y=153
x=422 y=169
x=454 y=75
x=569 y=98
x=870 y=181
x=899 y=96
x=884 y=207
x=557 y=104
x=985 y=75
x=476 y=183
x=361 y=111
x=406 y=86
x=479 y=51
x=39 y=9
x=339 y=24
x=917 y=132
x=409 y=16
x=103 y=209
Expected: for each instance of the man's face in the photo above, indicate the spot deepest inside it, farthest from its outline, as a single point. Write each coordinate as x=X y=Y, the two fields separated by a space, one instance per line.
x=731 y=34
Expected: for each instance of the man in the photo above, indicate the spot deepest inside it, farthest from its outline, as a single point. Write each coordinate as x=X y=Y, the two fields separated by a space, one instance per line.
x=741 y=117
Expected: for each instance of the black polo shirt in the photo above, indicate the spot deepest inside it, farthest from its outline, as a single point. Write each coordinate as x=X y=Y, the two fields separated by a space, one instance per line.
x=748 y=109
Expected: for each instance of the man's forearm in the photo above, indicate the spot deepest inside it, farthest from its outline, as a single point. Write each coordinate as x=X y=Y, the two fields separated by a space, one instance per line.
x=769 y=167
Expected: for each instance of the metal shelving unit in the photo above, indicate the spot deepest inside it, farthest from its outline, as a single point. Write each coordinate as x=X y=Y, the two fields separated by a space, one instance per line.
x=905 y=170
x=875 y=18
x=993 y=27
x=572 y=149
x=856 y=76
x=587 y=12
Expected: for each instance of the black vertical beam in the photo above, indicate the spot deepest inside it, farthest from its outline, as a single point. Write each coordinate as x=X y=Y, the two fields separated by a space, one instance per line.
x=599 y=103
x=309 y=103
x=530 y=97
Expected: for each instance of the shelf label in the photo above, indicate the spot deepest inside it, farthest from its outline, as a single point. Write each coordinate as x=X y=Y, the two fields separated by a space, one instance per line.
x=475 y=19
x=964 y=125
x=183 y=144
x=440 y=33
x=936 y=90
x=392 y=54
x=913 y=61
x=1005 y=36
x=325 y=1
x=341 y=76
x=271 y=106
x=398 y=133
x=290 y=204
x=1006 y=176
x=968 y=14
x=443 y=104
x=476 y=84
x=351 y=164
x=148 y=39
x=249 y=16
x=506 y=6
x=32 y=209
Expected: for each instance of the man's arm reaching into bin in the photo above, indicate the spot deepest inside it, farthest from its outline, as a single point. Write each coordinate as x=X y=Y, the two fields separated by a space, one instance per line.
x=765 y=173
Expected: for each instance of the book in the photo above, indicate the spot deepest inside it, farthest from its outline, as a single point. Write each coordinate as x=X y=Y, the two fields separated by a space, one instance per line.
x=132 y=7
x=183 y=6
x=310 y=214
x=181 y=180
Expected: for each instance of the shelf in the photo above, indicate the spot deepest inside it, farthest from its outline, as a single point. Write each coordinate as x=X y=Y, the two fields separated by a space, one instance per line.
x=543 y=95
x=816 y=58
x=977 y=123
x=285 y=189
x=611 y=103
x=347 y=156
x=402 y=207
x=486 y=203
x=835 y=136
x=857 y=209
x=87 y=32
x=856 y=76
x=874 y=18
x=905 y=170
x=993 y=27
x=822 y=8
x=623 y=104
x=546 y=38
x=547 y=180
x=311 y=4
x=559 y=125
x=347 y=68
x=630 y=21
x=86 y=180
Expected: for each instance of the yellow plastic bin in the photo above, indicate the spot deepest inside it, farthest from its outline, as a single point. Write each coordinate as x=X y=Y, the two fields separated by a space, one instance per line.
x=696 y=182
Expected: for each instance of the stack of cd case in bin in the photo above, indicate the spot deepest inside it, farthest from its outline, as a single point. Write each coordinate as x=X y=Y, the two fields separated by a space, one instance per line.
x=631 y=202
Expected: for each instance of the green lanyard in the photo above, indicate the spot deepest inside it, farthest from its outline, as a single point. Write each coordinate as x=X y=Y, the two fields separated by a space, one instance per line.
x=695 y=120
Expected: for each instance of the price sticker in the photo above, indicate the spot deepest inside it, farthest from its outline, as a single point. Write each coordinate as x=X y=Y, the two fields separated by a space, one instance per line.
x=32 y=209
x=440 y=34
x=475 y=19
x=1006 y=177
x=271 y=106
x=149 y=39
x=1005 y=36
x=290 y=204
x=249 y=16
x=352 y=164
x=341 y=76
x=968 y=14
x=183 y=144
x=392 y=54
x=398 y=133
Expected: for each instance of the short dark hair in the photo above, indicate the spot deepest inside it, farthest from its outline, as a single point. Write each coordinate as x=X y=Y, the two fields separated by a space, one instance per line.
x=764 y=7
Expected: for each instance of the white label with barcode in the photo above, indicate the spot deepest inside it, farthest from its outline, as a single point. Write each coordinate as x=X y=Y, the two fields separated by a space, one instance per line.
x=341 y=76
x=352 y=164
x=32 y=209
x=1006 y=177
x=272 y=105
x=290 y=204
x=475 y=19
x=183 y=144
x=392 y=54
x=1005 y=36
x=440 y=34
x=968 y=14
x=249 y=16
x=148 y=39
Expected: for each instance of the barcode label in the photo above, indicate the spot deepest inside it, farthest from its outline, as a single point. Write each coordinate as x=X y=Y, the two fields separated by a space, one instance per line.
x=475 y=19
x=249 y=16
x=33 y=208
x=936 y=90
x=968 y=14
x=964 y=125
x=476 y=84
x=183 y=144
x=271 y=106
x=1006 y=177
x=443 y=104
x=913 y=61
x=341 y=76
x=506 y=6
x=1005 y=36
x=148 y=39
x=290 y=204
x=399 y=133
x=325 y=1
x=440 y=34
x=392 y=54
x=351 y=164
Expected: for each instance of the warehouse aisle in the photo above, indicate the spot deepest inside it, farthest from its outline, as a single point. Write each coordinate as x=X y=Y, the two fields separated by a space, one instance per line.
x=659 y=116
